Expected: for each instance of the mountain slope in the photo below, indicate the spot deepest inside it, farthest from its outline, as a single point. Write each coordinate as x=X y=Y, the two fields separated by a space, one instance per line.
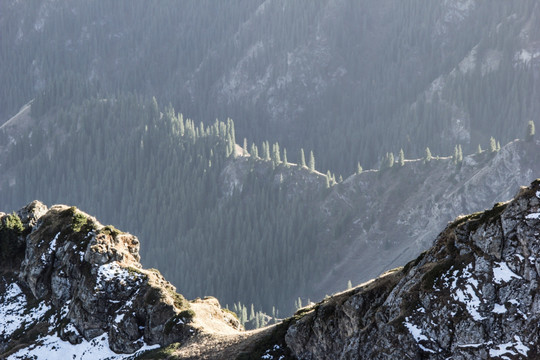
x=472 y=295
x=350 y=80
x=73 y=286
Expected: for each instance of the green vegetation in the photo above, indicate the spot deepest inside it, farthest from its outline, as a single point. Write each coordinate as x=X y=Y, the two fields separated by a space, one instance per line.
x=79 y=220
x=161 y=353
x=11 y=228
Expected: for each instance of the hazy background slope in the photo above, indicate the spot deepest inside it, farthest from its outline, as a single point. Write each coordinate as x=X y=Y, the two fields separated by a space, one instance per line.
x=349 y=79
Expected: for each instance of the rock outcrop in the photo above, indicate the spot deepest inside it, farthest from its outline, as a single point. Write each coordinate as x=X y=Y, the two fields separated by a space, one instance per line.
x=473 y=295
x=88 y=279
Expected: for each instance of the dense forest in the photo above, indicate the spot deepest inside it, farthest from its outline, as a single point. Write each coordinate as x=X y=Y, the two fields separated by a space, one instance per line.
x=159 y=175
x=349 y=79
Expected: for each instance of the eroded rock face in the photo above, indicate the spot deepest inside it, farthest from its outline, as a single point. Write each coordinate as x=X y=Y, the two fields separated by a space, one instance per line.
x=91 y=275
x=473 y=295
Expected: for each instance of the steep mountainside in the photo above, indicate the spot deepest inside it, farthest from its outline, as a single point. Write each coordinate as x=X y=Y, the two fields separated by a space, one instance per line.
x=71 y=286
x=350 y=80
x=473 y=295
x=392 y=215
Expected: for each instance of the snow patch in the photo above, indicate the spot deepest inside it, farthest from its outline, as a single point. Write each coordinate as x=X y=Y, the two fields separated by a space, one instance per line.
x=51 y=249
x=415 y=331
x=109 y=272
x=535 y=216
x=510 y=348
x=498 y=309
x=14 y=312
x=502 y=273
x=51 y=347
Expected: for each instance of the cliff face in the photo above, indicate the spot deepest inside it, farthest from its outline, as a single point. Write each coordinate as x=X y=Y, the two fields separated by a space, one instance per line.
x=473 y=295
x=67 y=279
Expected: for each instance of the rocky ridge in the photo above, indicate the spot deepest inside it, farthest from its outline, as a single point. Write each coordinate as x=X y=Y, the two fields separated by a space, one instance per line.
x=473 y=295
x=67 y=278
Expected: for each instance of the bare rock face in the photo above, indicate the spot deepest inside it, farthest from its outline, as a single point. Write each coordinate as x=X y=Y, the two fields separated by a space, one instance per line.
x=91 y=274
x=473 y=295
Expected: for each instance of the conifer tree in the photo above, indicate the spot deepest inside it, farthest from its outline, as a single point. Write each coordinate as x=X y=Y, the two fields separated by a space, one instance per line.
x=276 y=158
x=530 y=131
x=245 y=147
x=428 y=155
x=311 y=161
x=285 y=161
x=456 y=155
x=492 y=145
x=302 y=158
x=460 y=154
x=498 y=145
x=266 y=150
x=349 y=285
x=254 y=151
x=359 y=168
x=479 y=151
x=390 y=160
x=401 y=158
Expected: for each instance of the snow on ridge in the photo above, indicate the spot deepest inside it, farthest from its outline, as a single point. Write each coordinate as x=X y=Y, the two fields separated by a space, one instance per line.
x=415 y=331
x=535 y=216
x=510 y=348
x=51 y=347
x=51 y=249
x=502 y=273
x=14 y=312
x=109 y=272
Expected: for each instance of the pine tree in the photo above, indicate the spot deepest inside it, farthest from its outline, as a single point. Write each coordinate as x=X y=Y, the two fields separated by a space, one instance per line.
x=245 y=147
x=302 y=158
x=252 y=313
x=359 y=168
x=349 y=285
x=390 y=160
x=428 y=155
x=460 y=154
x=530 y=131
x=254 y=151
x=479 y=151
x=498 y=145
x=298 y=303
x=492 y=145
x=456 y=155
x=311 y=161
x=266 y=150
x=401 y=158
x=276 y=158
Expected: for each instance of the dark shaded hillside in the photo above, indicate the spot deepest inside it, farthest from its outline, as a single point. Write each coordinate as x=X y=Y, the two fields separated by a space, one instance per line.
x=351 y=80
x=161 y=175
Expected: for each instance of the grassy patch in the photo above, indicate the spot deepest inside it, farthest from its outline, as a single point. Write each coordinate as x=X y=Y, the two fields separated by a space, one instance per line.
x=161 y=353
x=413 y=263
x=11 y=248
x=429 y=279
x=110 y=230
x=78 y=221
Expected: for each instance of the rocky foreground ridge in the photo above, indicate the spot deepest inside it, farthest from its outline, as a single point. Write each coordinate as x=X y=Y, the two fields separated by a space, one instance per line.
x=473 y=295
x=65 y=279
